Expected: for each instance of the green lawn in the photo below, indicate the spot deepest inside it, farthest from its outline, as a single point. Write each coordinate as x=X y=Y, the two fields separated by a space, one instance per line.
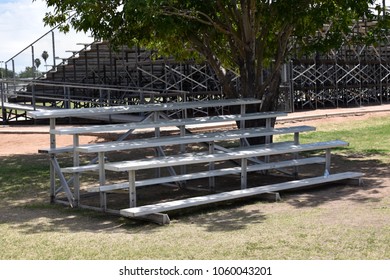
x=367 y=138
x=334 y=222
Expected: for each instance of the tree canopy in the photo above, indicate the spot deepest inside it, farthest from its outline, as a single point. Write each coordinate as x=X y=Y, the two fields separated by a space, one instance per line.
x=29 y=72
x=252 y=38
x=5 y=73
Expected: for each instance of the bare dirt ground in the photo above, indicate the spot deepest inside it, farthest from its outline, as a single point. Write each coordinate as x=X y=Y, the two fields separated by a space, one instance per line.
x=376 y=180
x=25 y=143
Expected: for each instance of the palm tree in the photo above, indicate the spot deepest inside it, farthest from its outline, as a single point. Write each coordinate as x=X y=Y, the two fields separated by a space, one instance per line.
x=37 y=62
x=45 y=56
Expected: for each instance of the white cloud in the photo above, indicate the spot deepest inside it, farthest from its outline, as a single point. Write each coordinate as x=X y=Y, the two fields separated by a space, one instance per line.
x=21 y=24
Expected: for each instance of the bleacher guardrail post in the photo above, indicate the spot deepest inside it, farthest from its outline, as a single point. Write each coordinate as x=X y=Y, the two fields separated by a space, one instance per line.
x=54 y=50
x=3 y=111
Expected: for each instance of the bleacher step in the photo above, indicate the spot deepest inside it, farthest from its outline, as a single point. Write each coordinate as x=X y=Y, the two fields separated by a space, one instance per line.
x=204 y=174
x=213 y=198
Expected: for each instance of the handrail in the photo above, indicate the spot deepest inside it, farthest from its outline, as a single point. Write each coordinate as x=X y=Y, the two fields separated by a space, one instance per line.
x=54 y=28
x=54 y=57
x=88 y=86
x=31 y=45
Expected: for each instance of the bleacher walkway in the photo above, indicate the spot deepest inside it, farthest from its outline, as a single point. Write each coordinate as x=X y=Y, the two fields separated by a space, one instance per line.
x=304 y=115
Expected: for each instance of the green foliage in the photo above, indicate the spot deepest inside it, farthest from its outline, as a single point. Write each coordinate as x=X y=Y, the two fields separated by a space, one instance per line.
x=250 y=37
x=29 y=72
x=5 y=74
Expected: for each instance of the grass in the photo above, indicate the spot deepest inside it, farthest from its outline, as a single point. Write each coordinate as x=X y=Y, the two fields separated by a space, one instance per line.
x=367 y=138
x=19 y=175
x=341 y=222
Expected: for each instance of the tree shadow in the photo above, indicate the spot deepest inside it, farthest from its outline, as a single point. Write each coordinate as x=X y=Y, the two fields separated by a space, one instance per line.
x=374 y=172
x=24 y=188
x=221 y=217
x=25 y=203
x=40 y=218
x=25 y=197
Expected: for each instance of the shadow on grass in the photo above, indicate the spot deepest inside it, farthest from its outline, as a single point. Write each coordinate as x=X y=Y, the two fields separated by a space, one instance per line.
x=24 y=198
x=220 y=217
x=372 y=181
x=38 y=218
x=21 y=174
x=25 y=194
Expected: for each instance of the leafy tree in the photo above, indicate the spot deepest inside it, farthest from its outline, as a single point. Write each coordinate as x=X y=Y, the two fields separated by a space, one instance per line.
x=29 y=72
x=253 y=38
x=6 y=74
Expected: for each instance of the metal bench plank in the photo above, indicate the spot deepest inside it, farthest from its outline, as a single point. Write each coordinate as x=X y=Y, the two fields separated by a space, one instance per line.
x=79 y=169
x=189 y=139
x=164 y=123
x=95 y=167
x=60 y=150
x=141 y=108
x=16 y=106
x=196 y=201
x=237 y=154
x=206 y=174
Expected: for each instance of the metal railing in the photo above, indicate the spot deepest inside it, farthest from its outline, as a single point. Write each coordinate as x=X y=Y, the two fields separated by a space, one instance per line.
x=10 y=63
x=38 y=95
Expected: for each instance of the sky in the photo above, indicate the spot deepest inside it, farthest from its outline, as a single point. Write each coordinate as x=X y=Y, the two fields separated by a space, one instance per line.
x=21 y=23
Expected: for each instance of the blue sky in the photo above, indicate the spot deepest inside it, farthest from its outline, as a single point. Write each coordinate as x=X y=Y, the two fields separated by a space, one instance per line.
x=21 y=23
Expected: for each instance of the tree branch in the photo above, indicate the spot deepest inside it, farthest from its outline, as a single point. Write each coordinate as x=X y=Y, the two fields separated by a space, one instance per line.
x=215 y=64
x=227 y=29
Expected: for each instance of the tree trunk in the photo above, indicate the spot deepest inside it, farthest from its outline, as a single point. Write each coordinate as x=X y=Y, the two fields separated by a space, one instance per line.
x=269 y=104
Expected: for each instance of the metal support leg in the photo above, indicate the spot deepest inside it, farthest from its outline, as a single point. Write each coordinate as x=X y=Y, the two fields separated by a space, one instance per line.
x=64 y=184
x=183 y=168
x=102 y=181
x=157 y=134
x=243 y=141
x=76 y=162
x=52 y=159
x=244 y=175
x=132 y=192
x=267 y=141
x=211 y=168
x=52 y=180
x=327 y=163
x=296 y=155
